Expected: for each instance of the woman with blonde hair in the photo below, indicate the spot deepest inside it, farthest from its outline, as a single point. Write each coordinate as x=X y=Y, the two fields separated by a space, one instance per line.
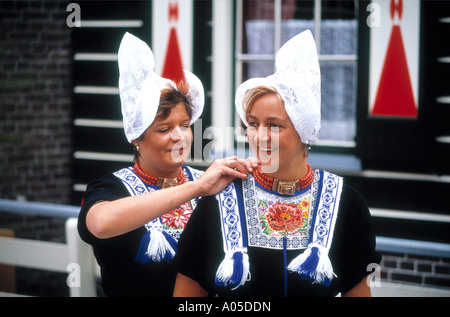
x=286 y=230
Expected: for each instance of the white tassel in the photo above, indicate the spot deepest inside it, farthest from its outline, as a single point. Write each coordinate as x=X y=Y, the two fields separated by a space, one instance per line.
x=295 y=263
x=159 y=249
x=234 y=269
x=313 y=264
x=225 y=269
x=324 y=271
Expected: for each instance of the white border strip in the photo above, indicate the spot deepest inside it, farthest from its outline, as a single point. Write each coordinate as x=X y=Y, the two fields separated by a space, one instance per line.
x=96 y=90
x=443 y=99
x=349 y=144
x=98 y=123
x=112 y=24
x=101 y=57
x=443 y=139
x=408 y=215
x=102 y=156
x=401 y=176
x=79 y=187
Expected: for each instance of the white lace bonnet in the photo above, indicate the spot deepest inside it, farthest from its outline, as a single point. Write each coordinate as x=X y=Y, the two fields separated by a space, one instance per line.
x=297 y=80
x=140 y=87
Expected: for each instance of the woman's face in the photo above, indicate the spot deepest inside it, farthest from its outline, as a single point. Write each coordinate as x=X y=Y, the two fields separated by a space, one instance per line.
x=273 y=138
x=166 y=144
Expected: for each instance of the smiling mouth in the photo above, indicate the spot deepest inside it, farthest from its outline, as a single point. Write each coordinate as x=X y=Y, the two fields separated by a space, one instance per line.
x=180 y=151
x=267 y=151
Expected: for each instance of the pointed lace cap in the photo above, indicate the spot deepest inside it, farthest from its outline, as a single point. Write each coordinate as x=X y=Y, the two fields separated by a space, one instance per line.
x=140 y=87
x=297 y=80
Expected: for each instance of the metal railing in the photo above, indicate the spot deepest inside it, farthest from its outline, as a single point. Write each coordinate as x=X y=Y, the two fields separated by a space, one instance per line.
x=74 y=257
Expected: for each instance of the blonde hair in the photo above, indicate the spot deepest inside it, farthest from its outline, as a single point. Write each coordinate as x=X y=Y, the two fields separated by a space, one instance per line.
x=257 y=92
x=254 y=94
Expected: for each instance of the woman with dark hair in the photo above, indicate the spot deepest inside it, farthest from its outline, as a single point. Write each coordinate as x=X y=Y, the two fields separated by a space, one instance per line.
x=133 y=218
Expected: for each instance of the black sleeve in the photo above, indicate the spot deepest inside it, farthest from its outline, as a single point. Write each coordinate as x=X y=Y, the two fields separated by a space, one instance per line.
x=108 y=188
x=355 y=239
x=200 y=249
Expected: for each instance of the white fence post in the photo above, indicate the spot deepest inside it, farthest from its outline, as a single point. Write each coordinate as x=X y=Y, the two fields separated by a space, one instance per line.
x=81 y=266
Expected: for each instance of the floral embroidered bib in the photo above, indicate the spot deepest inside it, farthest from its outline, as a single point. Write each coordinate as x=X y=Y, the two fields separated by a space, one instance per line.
x=271 y=216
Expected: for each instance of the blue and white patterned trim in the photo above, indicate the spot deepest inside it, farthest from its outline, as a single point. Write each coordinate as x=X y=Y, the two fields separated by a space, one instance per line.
x=232 y=219
x=136 y=186
x=157 y=244
x=234 y=270
x=132 y=182
x=330 y=189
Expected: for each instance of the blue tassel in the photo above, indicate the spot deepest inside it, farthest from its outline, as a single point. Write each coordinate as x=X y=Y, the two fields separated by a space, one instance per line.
x=308 y=268
x=313 y=265
x=238 y=269
x=141 y=255
x=170 y=243
x=326 y=281
x=234 y=270
x=173 y=243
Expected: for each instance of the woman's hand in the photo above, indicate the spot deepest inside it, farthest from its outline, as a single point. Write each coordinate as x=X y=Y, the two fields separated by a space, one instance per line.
x=111 y=218
x=252 y=163
x=224 y=171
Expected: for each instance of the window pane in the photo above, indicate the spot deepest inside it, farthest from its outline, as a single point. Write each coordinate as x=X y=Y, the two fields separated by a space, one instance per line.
x=259 y=36
x=298 y=16
x=338 y=30
x=252 y=69
x=338 y=101
x=258 y=24
x=338 y=35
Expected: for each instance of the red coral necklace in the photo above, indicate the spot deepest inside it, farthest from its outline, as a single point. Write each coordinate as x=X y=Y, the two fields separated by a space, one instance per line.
x=159 y=181
x=283 y=187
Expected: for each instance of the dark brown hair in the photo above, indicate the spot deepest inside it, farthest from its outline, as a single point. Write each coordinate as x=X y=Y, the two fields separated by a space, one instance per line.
x=170 y=98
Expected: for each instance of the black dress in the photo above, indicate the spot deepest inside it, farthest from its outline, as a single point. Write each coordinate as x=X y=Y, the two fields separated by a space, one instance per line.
x=200 y=252
x=121 y=274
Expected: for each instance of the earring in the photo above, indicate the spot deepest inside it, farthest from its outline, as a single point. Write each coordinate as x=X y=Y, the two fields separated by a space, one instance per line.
x=137 y=148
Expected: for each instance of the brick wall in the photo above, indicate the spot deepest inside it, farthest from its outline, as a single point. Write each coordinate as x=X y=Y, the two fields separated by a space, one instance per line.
x=35 y=101
x=35 y=124
x=416 y=270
